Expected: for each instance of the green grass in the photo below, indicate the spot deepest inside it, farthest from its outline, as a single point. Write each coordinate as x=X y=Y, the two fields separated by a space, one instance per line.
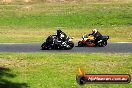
x=32 y=22
x=19 y=35
x=66 y=15
x=58 y=70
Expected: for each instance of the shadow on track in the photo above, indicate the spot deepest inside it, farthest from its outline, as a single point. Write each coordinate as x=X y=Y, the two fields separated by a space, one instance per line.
x=4 y=83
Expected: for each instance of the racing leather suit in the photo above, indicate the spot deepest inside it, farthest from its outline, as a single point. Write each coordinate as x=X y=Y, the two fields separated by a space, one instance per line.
x=97 y=37
x=61 y=36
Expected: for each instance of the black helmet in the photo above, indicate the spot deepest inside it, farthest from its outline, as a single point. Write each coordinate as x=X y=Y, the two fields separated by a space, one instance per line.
x=59 y=31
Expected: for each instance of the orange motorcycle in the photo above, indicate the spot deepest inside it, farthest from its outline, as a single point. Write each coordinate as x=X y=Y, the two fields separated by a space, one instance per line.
x=89 y=40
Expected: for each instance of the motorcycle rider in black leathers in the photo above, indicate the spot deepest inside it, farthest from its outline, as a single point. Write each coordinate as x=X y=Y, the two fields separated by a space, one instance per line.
x=61 y=36
x=97 y=36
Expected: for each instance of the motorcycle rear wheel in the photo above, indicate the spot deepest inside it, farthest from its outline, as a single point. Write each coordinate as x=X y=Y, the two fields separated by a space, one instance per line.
x=45 y=46
x=102 y=44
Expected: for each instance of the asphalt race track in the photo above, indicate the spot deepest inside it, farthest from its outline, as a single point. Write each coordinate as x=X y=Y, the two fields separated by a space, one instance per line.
x=35 y=47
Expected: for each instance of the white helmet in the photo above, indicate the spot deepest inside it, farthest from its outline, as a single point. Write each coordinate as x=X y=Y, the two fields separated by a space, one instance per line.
x=94 y=30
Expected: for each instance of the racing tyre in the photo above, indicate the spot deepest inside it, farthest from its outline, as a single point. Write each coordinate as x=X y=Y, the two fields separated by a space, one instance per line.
x=45 y=46
x=103 y=44
x=80 y=44
x=71 y=45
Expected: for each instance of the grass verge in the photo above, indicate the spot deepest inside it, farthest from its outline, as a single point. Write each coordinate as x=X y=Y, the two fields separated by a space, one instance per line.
x=58 y=70
x=20 y=35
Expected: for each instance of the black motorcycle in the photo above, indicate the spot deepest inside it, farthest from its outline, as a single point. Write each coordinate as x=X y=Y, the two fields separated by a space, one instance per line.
x=52 y=42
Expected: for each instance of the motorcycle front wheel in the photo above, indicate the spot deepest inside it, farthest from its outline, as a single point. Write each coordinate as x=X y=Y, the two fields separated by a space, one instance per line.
x=80 y=44
x=70 y=46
